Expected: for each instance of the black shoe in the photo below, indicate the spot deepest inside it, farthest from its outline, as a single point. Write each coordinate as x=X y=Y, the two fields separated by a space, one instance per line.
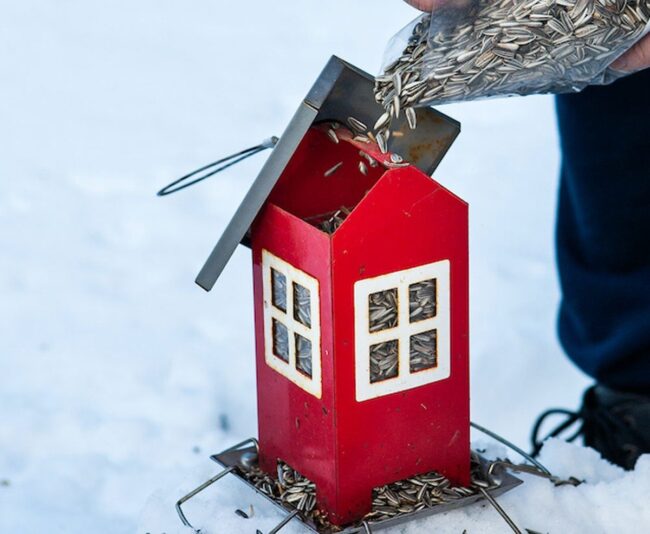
x=616 y=424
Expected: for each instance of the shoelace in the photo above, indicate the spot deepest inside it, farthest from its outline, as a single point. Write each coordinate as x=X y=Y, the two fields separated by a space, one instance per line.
x=597 y=424
x=571 y=419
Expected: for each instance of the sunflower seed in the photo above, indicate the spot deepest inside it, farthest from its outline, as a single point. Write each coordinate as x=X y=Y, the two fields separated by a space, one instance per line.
x=362 y=168
x=332 y=135
x=371 y=161
x=382 y=121
x=333 y=169
x=411 y=118
x=381 y=142
x=357 y=125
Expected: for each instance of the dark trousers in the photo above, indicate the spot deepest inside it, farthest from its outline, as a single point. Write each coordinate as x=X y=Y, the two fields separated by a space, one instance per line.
x=603 y=231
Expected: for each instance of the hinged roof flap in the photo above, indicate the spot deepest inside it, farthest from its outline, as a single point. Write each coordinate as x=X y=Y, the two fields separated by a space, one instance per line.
x=341 y=91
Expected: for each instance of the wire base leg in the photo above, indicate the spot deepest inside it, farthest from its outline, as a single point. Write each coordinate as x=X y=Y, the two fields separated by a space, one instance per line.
x=282 y=523
x=510 y=445
x=501 y=511
x=197 y=490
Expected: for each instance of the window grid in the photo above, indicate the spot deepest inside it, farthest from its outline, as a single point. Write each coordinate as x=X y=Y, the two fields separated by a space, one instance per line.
x=290 y=369
x=407 y=329
x=364 y=338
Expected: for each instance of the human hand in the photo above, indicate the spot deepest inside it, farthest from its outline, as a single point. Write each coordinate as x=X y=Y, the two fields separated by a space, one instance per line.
x=431 y=5
x=636 y=58
x=422 y=5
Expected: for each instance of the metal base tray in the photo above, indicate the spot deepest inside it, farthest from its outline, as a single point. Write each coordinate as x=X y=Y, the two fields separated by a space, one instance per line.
x=236 y=459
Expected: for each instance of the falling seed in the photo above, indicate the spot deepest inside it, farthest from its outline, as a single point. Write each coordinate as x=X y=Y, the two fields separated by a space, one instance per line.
x=241 y=513
x=371 y=161
x=332 y=135
x=333 y=169
x=411 y=118
x=357 y=125
x=362 y=168
x=381 y=142
x=396 y=158
x=382 y=121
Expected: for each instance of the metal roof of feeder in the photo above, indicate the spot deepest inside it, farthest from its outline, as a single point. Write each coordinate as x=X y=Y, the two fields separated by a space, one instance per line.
x=341 y=91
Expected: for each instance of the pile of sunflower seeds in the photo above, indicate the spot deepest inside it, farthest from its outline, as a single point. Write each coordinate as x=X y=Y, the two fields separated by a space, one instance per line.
x=331 y=222
x=509 y=47
x=422 y=300
x=417 y=493
x=382 y=310
x=303 y=355
x=291 y=489
x=382 y=315
x=279 y=290
x=302 y=304
x=384 y=361
x=410 y=495
x=423 y=351
x=280 y=340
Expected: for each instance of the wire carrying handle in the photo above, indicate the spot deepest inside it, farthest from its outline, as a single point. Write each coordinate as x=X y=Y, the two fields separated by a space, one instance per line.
x=215 y=167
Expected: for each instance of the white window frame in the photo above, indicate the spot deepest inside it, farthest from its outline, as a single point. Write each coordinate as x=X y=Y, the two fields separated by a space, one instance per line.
x=405 y=379
x=288 y=369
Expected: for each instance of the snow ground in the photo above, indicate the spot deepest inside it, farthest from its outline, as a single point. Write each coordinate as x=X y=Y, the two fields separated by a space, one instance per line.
x=120 y=376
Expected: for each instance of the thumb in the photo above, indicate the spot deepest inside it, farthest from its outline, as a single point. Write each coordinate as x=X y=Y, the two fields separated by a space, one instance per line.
x=636 y=58
x=427 y=5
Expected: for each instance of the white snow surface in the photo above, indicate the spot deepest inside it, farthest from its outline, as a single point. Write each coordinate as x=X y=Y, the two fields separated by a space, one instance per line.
x=119 y=377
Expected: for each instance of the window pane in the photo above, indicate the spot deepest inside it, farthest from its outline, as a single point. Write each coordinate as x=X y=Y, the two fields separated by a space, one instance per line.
x=279 y=290
x=303 y=355
x=301 y=305
x=424 y=351
x=280 y=340
x=422 y=300
x=382 y=310
x=383 y=361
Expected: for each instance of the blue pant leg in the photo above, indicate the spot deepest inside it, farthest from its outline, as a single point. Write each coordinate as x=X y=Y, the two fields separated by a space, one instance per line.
x=603 y=231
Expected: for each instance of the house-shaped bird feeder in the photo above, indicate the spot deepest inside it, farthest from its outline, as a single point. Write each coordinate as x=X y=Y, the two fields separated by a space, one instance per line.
x=360 y=272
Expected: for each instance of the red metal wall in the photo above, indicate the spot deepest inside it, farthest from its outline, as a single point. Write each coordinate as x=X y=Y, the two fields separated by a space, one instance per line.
x=295 y=426
x=407 y=220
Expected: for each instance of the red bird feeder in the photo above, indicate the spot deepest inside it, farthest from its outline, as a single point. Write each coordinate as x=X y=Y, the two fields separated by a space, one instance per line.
x=362 y=334
x=360 y=270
